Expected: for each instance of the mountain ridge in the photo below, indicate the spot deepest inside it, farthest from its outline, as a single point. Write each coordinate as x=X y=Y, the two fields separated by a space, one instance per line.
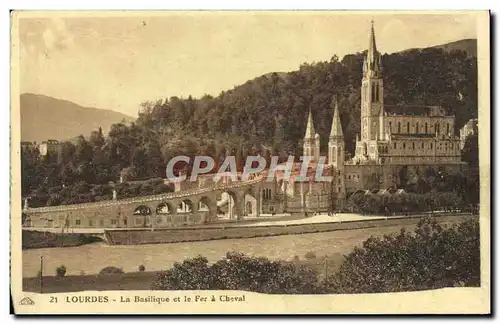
x=44 y=117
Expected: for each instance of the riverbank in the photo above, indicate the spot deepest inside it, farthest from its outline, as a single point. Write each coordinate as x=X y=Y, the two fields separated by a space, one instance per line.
x=162 y=236
x=38 y=240
x=92 y=258
x=143 y=280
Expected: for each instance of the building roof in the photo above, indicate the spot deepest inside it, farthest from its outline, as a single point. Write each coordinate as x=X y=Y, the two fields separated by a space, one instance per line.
x=415 y=110
x=50 y=141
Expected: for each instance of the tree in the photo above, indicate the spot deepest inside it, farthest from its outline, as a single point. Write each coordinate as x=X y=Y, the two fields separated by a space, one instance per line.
x=470 y=152
x=97 y=138
x=83 y=150
x=139 y=162
x=155 y=165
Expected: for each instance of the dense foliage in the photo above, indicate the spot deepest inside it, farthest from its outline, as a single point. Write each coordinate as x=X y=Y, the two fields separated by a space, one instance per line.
x=431 y=257
x=237 y=271
x=266 y=116
x=405 y=202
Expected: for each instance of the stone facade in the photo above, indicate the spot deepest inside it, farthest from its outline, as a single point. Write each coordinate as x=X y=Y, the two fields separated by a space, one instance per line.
x=423 y=137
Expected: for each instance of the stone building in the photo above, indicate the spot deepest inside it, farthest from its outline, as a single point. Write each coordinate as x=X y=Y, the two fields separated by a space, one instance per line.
x=49 y=147
x=421 y=138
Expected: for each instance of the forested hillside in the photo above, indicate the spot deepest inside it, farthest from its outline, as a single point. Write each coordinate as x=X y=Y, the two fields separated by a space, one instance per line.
x=265 y=115
x=271 y=110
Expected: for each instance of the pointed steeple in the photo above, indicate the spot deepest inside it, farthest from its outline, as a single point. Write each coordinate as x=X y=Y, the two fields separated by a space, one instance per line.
x=310 y=133
x=372 y=48
x=336 y=130
x=373 y=60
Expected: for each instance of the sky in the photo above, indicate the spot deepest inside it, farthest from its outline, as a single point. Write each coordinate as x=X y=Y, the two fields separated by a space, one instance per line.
x=116 y=63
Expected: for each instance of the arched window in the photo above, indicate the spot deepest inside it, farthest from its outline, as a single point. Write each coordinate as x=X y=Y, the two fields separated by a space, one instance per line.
x=422 y=144
x=390 y=127
x=373 y=93
x=447 y=128
x=395 y=145
x=408 y=127
x=399 y=127
x=426 y=128
x=413 y=145
x=416 y=128
x=404 y=145
x=431 y=146
x=437 y=127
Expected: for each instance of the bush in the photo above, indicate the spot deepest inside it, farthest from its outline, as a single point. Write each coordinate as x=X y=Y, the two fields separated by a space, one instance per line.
x=61 y=271
x=237 y=271
x=142 y=268
x=310 y=255
x=431 y=257
x=111 y=271
x=191 y=274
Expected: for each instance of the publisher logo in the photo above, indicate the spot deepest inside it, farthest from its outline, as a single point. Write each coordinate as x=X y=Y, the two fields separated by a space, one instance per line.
x=27 y=301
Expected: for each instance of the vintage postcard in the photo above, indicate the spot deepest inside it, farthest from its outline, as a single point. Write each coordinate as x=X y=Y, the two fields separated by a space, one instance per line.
x=239 y=162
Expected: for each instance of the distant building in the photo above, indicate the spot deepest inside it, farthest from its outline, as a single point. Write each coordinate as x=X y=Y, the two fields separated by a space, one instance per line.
x=27 y=145
x=48 y=147
x=469 y=128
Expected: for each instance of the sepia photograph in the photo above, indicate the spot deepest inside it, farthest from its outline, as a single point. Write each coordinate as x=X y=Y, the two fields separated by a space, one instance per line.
x=250 y=162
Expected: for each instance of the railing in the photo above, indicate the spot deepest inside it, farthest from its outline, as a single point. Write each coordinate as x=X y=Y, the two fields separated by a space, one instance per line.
x=141 y=199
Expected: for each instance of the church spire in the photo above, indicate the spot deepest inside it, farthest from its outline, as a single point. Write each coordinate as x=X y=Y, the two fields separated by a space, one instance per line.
x=373 y=61
x=310 y=133
x=336 y=131
x=372 y=48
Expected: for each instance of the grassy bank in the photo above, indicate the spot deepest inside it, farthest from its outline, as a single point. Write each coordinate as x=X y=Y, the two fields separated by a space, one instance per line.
x=125 y=281
x=142 y=280
x=124 y=237
x=37 y=239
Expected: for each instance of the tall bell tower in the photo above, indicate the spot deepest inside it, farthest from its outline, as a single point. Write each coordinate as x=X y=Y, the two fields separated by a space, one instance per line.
x=372 y=93
x=336 y=140
x=336 y=154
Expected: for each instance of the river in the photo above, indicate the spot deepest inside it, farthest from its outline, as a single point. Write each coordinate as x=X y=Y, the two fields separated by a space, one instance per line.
x=91 y=258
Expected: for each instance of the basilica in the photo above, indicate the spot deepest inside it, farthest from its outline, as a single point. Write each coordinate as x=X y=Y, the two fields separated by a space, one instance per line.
x=389 y=140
